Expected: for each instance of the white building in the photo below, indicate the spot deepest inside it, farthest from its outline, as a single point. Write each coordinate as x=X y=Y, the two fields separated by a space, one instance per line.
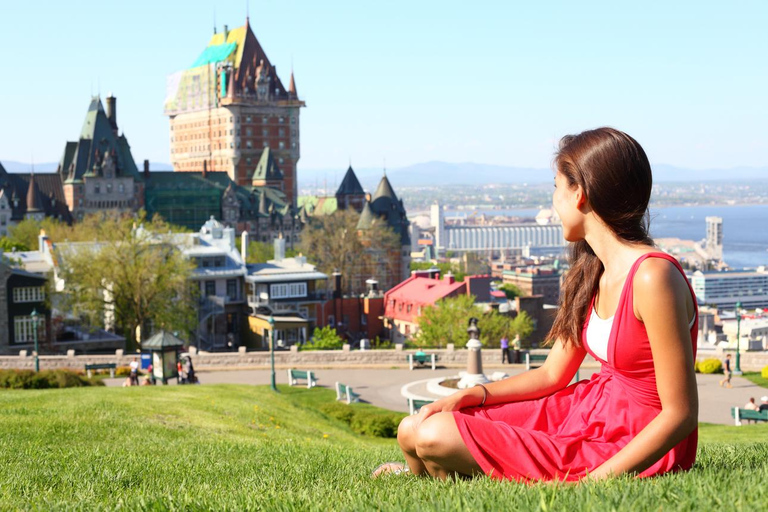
x=714 y=242
x=725 y=289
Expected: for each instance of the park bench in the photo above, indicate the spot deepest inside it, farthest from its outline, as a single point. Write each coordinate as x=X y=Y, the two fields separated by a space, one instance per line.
x=294 y=375
x=421 y=359
x=345 y=393
x=537 y=359
x=415 y=404
x=100 y=366
x=746 y=414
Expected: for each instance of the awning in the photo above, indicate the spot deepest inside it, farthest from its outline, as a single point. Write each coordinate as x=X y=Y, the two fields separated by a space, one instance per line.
x=261 y=322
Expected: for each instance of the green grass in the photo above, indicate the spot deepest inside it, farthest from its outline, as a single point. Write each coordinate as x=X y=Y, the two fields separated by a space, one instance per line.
x=756 y=378
x=226 y=447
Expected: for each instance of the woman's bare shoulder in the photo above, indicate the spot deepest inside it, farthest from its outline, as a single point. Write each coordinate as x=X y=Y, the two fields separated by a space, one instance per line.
x=658 y=283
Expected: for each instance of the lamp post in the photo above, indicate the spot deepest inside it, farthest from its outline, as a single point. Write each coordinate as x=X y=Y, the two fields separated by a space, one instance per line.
x=272 y=350
x=738 y=339
x=34 y=331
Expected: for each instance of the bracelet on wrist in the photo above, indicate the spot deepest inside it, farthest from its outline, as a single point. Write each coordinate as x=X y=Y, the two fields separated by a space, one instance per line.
x=485 y=394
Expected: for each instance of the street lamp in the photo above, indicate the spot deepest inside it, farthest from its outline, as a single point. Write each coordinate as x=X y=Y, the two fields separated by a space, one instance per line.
x=738 y=339
x=34 y=331
x=272 y=350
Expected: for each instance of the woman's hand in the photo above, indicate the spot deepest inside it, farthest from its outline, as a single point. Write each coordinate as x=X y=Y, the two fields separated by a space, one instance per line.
x=459 y=400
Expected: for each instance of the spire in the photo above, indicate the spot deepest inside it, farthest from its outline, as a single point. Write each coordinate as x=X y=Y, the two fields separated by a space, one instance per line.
x=267 y=169
x=384 y=190
x=367 y=217
x=33 y=196
x=350 y=186
x=292 y=87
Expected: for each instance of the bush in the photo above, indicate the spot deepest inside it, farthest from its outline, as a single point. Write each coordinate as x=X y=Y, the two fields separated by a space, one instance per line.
x=45 y=379
x=710 y=366
x=120 y=371
x=324 y=339
x=764 y=372
x=364 y=422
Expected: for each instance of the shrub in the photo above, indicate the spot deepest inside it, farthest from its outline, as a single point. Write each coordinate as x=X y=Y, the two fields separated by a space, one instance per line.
x=339 y=411
x=710 y=366
x=764 y=372
x=378 y=425
x=696 y=367
x=120 y=371
x=45 y=379
x=324 y=339
x=364 y=422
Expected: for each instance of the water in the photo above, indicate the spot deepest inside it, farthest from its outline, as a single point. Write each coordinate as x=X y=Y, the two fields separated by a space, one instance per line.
x=745 y=228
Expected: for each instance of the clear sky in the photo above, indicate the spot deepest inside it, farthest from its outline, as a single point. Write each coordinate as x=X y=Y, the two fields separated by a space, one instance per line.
x=493 y=82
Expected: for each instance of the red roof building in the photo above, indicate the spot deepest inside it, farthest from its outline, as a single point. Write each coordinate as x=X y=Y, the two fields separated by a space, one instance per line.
x=404 y=303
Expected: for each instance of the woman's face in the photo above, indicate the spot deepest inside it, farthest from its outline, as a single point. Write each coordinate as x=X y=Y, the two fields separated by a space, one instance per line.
x=565 y=200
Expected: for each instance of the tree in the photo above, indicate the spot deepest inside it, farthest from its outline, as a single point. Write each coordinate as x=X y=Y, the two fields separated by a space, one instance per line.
x=447 y=321
x=333 y=243
x=511 y=291
x=133 y=274
x=261 y=252
x=324 y=339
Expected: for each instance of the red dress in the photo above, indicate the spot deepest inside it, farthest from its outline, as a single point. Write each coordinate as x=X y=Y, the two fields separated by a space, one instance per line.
x=567 y=434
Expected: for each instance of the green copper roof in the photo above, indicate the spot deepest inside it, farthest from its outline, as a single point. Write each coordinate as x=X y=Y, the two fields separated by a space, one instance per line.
x=215 y=53
x=367 y=217
x=162 y=340
x=267 y=169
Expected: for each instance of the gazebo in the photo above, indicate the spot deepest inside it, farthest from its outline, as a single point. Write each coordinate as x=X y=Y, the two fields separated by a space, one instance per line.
x=164 y=348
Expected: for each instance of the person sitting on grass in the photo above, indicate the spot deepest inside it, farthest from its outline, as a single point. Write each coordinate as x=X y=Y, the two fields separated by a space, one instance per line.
x=623 y=302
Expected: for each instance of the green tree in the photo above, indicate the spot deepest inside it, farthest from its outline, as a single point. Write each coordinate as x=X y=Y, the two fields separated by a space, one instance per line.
x=324 y=339
x=447 y=322
x=511 y=291
x=333 y=243
x=261 y=252
x=444 y=267
x=133 y=276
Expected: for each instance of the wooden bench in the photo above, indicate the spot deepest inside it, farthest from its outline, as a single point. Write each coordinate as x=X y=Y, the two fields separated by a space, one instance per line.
x=294 y=375
x=746 y=414
x=101 y=366
x=421 y=359
x=415 y=404
x=345 y=393
x=534 y=358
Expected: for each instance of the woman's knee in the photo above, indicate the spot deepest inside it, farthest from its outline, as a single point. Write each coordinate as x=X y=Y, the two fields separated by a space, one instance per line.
x=432 y=435
x=406 y=434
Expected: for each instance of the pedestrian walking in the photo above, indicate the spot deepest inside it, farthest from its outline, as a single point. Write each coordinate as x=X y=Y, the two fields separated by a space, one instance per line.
x=505 y=350
x=726 y=380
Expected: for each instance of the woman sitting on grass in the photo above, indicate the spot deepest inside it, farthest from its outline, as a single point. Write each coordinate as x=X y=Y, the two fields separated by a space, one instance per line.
x=623 y=302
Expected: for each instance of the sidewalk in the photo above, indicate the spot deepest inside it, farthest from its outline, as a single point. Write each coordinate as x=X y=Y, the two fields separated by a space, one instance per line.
x=383 y=387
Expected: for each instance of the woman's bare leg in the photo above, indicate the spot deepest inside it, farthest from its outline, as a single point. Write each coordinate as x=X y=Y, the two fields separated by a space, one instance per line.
x=406 y=437
x=440 y=448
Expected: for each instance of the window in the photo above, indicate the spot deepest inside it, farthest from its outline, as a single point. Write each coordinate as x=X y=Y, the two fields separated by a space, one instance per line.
x=248 y=132
x=281 y=145
x=293 y=120
x=281 y=132
x=408 y=309
x=282 y=120
x=24 y=329
x=248 y=144
x=109 y=188
x=248 y=119
x=331 y=321
x=121 y=188
x=264 y=120
x=210 y=288
x=29 y=294
x=96 y=188
x=265 y=132
x=232 y=289
x=288 y=290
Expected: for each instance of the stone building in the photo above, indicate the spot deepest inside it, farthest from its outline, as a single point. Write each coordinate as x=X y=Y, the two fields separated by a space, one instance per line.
x=229 y=106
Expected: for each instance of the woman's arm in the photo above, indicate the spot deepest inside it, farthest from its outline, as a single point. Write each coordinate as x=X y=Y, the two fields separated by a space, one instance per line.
x=556 y=372
x=664 y=303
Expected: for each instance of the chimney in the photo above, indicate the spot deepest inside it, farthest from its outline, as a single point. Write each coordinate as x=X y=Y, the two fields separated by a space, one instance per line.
x=112 y=112
x=226 y=33
x=337 y=285
x=372 y=286
x=41 y=239
x=146 y=169
x=449 y=278
x=244 y=245
x=279 y=248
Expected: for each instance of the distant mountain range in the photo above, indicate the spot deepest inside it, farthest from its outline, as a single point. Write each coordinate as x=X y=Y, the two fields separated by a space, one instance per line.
x=468 y=173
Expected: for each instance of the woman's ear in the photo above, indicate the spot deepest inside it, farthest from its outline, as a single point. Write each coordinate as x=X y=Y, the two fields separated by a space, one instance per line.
x=580 y=197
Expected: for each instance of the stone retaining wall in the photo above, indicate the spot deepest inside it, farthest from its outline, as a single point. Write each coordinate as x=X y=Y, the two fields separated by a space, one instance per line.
x=750 y=361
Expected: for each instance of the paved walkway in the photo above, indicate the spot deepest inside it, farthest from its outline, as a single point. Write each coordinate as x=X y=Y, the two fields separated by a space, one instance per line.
x=382 y=387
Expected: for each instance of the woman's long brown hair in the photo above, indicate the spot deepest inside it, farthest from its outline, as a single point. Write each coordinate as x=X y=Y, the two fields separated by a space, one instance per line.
x=615 y=175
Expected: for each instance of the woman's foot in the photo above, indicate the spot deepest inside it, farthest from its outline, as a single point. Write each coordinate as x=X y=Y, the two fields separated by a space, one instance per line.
x=390 y=468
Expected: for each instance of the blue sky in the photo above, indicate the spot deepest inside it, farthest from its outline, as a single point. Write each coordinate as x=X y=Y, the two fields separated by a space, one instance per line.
x=411 y=81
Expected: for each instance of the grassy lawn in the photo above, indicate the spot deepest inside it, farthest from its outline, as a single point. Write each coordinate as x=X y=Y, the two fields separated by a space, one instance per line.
x=228 y=447
x=756 y=378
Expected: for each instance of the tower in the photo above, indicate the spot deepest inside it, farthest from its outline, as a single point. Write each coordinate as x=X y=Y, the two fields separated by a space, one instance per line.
x=715 y=237
x=229 y=107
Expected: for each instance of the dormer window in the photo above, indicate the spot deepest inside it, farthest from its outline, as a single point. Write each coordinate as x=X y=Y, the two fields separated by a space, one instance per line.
x=96 y=188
